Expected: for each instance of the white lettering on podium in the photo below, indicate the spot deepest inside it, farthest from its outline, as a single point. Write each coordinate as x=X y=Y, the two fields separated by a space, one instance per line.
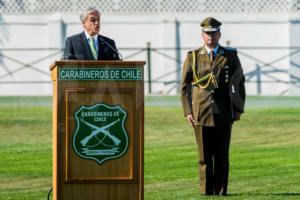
x=100 y=74
x=131 y=74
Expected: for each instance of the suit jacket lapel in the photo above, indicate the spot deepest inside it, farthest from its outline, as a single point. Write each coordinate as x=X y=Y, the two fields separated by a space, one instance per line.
x=219 y=57
x=85 y=45
x=203 y=65
x=100 y=48
x=203 y=55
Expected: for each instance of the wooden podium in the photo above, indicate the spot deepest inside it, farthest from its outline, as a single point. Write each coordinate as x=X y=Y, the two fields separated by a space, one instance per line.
x=98 y=130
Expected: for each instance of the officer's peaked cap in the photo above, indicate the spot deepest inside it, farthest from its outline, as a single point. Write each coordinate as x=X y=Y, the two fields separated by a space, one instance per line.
x=210 y=24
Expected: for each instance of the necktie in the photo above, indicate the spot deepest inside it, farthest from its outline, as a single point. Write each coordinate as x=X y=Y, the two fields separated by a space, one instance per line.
x=211 y=56
x=93 y=48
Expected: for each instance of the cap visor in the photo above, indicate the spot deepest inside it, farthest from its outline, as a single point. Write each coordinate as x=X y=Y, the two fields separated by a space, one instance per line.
x=210 y=29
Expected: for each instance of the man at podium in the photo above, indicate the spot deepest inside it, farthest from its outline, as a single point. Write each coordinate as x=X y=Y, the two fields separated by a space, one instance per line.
x=89 y=45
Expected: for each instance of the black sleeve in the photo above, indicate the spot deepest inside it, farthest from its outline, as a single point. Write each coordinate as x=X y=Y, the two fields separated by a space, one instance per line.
x=69 y=50
x=239 y=96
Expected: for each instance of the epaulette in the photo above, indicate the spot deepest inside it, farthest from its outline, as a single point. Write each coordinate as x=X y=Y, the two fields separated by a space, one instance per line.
x=230 y=48
x=191 y=50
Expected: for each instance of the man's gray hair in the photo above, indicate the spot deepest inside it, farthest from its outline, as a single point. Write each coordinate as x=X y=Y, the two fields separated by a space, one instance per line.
x=86 y=12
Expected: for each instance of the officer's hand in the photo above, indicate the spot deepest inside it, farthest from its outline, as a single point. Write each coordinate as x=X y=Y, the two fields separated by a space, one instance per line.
x=237 y=116
x=191 y=119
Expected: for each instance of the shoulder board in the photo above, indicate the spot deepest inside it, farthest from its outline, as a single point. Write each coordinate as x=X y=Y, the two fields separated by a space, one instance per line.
x=190 y=51
x=230 y=48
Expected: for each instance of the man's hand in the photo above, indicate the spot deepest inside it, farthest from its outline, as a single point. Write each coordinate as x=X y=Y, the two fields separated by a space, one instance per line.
x=237 y=116
x=191 y=120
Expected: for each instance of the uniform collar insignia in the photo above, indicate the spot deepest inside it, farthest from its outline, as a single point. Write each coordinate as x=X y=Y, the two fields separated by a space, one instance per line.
x=202 y=52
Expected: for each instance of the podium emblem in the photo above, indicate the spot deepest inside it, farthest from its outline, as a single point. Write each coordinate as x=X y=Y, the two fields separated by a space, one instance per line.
x=100 y=134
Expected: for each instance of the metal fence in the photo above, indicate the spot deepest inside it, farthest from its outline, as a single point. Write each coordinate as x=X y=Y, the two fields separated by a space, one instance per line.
x=259 y=71
x=261 y=68
x=150 y=7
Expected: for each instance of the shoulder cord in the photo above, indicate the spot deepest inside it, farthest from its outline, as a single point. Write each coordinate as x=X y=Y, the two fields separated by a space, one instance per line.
x=211 y=77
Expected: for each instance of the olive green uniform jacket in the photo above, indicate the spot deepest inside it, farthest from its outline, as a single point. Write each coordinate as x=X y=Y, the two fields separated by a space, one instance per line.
x=213 y=106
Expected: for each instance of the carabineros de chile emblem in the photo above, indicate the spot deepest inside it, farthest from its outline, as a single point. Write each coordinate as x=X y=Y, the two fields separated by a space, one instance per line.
x=100 y=134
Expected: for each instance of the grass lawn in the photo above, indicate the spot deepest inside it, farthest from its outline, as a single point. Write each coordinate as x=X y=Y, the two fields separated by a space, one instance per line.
x=264 y=154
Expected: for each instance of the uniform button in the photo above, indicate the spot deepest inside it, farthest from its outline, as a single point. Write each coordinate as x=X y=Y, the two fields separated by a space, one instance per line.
x=212 y=101
x=212 y=91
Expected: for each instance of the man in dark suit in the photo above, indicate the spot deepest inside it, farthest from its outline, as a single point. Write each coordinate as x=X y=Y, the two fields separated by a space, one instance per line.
x=89 y=45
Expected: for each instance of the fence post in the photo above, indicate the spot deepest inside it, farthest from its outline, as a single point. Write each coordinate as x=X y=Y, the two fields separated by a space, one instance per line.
x=149 y=66
x=258 y=79
x=178 y=56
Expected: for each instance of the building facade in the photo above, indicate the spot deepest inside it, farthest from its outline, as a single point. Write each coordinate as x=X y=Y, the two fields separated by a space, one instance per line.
x=265 y=32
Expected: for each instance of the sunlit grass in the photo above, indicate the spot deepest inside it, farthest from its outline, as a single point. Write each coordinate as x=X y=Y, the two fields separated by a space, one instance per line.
x=264 y=155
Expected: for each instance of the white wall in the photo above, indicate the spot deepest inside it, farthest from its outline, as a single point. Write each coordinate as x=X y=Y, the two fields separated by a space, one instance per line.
x=295 y=59
x=251 y=33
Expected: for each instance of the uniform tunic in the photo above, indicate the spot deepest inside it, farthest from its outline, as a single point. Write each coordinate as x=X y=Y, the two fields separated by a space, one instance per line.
x=213 y=106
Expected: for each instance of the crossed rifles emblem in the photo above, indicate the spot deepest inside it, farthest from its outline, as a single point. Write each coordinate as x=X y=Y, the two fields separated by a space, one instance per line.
x=103 y=130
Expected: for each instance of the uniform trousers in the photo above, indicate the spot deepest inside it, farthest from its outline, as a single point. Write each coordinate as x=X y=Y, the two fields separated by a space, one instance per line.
x=213 y=151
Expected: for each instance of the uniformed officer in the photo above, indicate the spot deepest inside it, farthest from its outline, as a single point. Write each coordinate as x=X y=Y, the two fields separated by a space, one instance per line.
x=213 y=96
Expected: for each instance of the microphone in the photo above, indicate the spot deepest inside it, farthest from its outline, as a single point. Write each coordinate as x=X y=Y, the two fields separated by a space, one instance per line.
x=115 y=50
